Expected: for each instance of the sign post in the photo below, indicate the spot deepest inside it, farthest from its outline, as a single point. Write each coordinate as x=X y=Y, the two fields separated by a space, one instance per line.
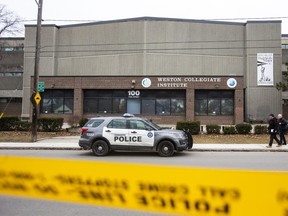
x=36 y=71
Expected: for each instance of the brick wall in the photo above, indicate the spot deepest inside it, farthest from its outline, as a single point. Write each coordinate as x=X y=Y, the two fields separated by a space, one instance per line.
x=123 y=82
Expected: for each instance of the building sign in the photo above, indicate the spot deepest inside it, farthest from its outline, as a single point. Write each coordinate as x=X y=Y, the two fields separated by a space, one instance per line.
x=41 y=86
x=146 y=82
x=265 y=69
x=231 y=83
x=181 y=82
x=133 y=94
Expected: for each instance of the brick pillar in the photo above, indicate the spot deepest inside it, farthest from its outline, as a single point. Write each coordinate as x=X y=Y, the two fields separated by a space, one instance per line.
x=190 y=99
x=78 y=100
x=239 y=106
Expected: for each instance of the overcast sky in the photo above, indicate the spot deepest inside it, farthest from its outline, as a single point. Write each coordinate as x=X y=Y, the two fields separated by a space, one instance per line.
x=118 y=9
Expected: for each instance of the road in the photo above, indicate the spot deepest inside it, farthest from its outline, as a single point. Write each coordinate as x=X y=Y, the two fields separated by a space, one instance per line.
x=230 y=160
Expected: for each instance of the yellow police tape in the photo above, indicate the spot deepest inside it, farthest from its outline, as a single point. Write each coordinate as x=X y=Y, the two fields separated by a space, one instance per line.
x=174 y=190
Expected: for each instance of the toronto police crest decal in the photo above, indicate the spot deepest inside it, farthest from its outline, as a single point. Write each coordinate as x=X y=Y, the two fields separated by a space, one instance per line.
x=150 y=134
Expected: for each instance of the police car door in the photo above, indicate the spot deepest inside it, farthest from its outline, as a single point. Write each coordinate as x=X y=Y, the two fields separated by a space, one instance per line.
x=141 y=134
x=116 y=132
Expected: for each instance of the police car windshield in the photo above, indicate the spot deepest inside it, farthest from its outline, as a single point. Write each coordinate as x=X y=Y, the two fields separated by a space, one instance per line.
x=153 y=124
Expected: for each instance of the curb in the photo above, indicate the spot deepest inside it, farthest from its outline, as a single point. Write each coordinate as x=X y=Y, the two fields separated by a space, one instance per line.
x=191 y=150
x=239 y=150
x=40 y=148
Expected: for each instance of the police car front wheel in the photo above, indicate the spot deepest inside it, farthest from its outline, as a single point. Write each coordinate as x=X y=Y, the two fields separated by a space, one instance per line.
x=166 y=149
x=100 y=148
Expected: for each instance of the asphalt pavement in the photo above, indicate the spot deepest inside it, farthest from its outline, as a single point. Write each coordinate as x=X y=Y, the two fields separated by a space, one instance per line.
x=71 y=143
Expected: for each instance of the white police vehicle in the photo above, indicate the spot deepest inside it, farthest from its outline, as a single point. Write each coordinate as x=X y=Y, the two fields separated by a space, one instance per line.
x=129 y=133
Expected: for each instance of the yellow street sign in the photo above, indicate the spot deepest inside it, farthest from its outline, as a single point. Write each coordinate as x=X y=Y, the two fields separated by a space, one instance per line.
x=37 y=98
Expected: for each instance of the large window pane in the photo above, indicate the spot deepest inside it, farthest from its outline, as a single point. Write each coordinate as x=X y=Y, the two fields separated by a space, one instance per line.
x=227 y=107
x=214 y=102
x=119 y=105
x=105 y=105
x=213 y=107
x=46 y=105
x=177 y=106
x=201 y=95
x=148 y=106
x=58 y=105
x=57 y=101
x=201 y=107
x=68 y=106
x=163 y=106
x=90 y=105
x=58 y=93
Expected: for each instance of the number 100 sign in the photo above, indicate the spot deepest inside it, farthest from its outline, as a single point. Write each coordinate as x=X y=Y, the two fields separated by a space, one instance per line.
x=133 y=93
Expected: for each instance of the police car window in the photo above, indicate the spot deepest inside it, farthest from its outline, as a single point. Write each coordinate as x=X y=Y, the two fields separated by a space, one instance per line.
x=117 y=123
x=94 y=123
x=139 y=125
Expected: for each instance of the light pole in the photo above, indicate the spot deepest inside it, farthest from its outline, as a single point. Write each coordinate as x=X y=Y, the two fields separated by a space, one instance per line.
x=36 y=71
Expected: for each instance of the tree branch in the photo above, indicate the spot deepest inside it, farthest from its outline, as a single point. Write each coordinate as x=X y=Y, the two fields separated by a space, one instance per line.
x=9 y=22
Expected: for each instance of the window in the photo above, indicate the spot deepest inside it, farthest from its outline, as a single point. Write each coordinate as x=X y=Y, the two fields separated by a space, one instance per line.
x=284 y=46
x=117 y=123
x=214 y=103
x=148 y=106
x=104 y=105
x=11 y=74
x=104 y=101
x=119 y=105
x=12 y=48
x=149 y=102
x=139 y=125
x=10 y=100
x=57 y=101
x=177 y=106
x=163 y=106
x=94 y=123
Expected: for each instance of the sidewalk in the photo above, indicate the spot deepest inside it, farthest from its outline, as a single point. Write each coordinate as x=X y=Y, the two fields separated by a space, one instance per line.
x=71 y=143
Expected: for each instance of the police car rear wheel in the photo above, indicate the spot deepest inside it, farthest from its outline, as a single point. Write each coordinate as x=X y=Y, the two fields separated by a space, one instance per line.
x=100 y=148
x=166 y=149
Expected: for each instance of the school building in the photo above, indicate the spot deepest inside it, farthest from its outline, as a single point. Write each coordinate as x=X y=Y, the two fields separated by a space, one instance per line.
x=162 y=69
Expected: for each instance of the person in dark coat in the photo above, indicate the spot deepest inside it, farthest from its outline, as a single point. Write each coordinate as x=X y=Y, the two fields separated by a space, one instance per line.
x=273 y=128
x=282 y=124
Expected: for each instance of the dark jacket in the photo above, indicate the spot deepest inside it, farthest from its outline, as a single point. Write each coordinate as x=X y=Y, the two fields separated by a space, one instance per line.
x=282 y=124
x=273 y=125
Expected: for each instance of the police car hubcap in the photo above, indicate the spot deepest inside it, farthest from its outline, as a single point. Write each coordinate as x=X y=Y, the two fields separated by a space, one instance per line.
x=100 y=148
x=166 y=148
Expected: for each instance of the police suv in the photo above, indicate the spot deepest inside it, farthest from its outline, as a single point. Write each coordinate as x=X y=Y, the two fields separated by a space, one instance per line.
x=129 y=133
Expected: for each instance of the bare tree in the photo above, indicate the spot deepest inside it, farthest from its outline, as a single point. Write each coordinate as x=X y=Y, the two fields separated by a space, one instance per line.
x=9 y=22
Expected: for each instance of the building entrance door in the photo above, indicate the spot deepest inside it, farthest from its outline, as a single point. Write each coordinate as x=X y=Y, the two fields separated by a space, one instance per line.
x=133 y=106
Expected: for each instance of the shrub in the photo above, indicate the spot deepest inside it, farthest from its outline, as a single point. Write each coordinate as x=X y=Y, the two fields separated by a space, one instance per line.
x=23 y=126
x=261 y=129
x=229 y=130
x=213 y=129
x=192 y=126
x=50 y=124
x=83 y=121
x=8 y=123
x=243 y=128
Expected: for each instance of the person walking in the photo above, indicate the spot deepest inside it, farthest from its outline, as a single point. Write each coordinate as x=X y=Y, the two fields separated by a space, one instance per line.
x=282 y=123
x=273 y=128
